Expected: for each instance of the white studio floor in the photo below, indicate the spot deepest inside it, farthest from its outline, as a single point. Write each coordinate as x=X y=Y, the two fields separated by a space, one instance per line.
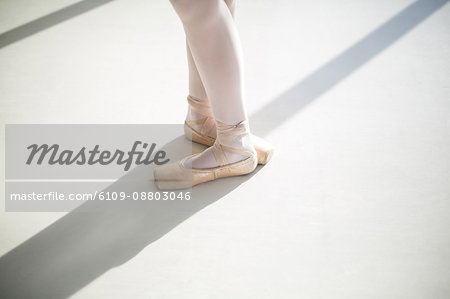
x=354 y=94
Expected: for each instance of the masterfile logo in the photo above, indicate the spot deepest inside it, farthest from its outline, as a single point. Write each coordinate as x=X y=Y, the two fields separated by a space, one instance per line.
x=61 y=167
x=54 y=155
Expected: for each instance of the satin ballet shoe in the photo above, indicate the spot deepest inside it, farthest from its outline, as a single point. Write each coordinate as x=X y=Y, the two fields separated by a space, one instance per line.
x=263 y=148
x=176 y=175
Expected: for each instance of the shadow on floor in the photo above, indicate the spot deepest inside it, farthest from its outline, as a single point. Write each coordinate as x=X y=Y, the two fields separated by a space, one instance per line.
x=330 y=74
x=47 y=21
x=81 y=246
x=98 y=236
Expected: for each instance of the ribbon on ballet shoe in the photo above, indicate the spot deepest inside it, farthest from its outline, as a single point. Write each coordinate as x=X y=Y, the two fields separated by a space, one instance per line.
x=225 y=131
x=200 y=106
x=225 y=134
x=206 y=122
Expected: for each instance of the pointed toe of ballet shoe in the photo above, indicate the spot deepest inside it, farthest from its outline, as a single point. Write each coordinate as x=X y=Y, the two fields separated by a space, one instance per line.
x=173 y=176
x=264 y=149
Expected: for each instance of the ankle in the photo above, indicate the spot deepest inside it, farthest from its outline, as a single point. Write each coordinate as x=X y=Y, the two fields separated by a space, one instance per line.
x=236 y=136
x=192 y=115
x=200 y=109
x=200 y=106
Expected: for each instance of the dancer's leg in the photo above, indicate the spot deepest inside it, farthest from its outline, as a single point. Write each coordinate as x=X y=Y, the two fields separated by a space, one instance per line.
x=196 y=87
x=216 y=50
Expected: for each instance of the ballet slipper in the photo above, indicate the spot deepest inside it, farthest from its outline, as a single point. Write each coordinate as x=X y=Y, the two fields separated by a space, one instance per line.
x=263 y=148
x=177 y=176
